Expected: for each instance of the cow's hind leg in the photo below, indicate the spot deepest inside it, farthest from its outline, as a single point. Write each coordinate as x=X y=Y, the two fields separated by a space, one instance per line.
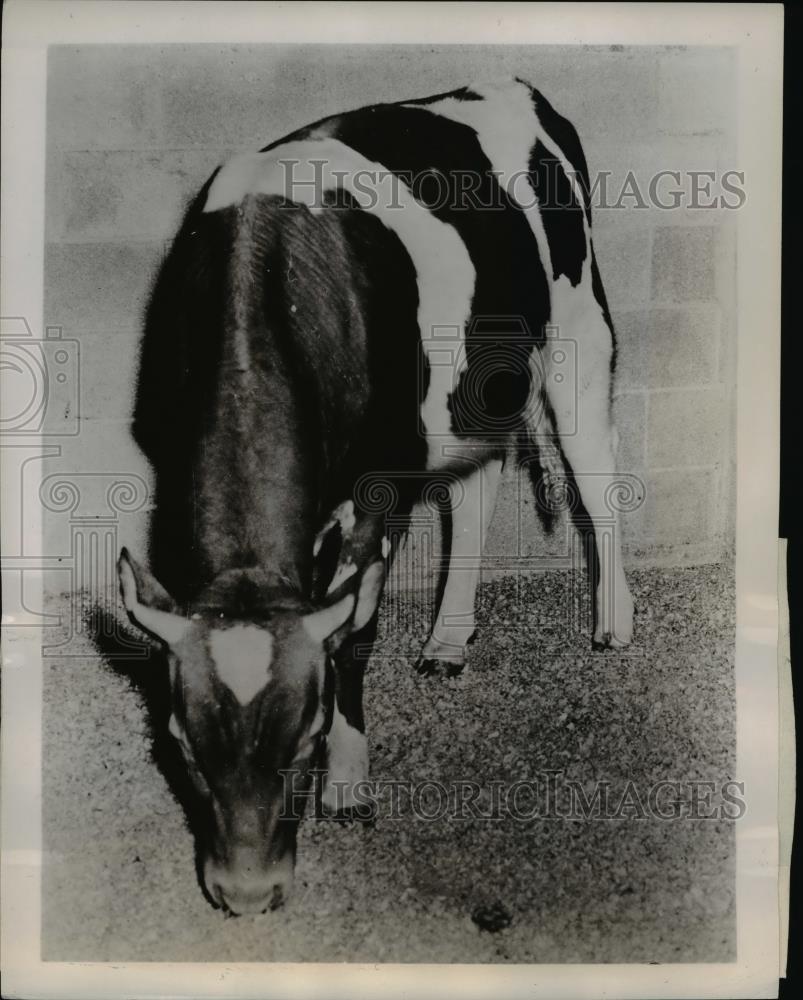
x=582 y=413
x=472 y=501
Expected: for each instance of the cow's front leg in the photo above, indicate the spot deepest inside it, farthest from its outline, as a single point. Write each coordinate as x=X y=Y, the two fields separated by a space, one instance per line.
x=472 y=500
x=345 y=791
x=361 y=568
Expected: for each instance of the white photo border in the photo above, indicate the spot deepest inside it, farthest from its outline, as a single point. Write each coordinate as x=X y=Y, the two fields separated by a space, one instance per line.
x=756 y=33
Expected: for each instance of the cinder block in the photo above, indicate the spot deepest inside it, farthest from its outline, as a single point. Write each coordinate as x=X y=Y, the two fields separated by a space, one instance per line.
x=503 y=535
x=684 y=264
x=116 y=196
x=603 y=105
x=102 y=97
x=128 y=87
x=638 y=183
x=108 y=374
x=632 y=335
x=293 y=85
x=698 y=90
x=678 y=506
x=630 y=418
x=666 y=347
x=609 y=219
x=195 y=95
x=682 y=346
x=624 y=265
x=632 y=519
x=686 y=427
x=248 y=96
x=727 y=278
x=95 y=287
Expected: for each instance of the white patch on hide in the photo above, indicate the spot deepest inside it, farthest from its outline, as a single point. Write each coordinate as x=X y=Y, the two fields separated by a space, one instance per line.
x=242 y=656
x=507 y=128
x=303 y=171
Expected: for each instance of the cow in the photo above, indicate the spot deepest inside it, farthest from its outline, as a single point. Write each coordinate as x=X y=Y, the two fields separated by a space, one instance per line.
x=359 y=307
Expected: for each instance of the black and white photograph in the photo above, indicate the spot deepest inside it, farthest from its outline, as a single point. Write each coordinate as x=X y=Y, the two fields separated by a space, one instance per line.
x=390 y=460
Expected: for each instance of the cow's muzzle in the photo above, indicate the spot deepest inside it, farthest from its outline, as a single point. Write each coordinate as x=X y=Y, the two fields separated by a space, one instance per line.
x=246 y=884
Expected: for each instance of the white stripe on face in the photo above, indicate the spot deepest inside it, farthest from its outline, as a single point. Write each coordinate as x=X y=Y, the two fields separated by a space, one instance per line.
x=302 y=171
x=242 y=655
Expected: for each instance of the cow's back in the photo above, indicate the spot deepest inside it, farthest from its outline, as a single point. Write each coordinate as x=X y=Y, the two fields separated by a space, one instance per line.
x=261 y=394
x=298 y=339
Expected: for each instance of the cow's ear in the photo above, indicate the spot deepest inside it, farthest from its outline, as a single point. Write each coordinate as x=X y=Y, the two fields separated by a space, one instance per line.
x=147 y=602
x=332 y=623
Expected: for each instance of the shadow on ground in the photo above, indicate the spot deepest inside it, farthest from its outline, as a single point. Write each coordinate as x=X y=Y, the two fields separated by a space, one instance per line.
x=115 y=642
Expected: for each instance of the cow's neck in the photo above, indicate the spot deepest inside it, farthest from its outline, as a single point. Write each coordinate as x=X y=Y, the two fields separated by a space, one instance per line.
x=267 y=460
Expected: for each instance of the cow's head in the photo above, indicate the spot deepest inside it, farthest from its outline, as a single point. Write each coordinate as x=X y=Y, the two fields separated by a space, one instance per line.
x=249 y=710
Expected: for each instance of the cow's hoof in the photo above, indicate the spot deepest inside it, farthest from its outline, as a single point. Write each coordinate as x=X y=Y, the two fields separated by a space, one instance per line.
x=426 y=666
x=431 y=666
x=608 y=641
x=452 y=668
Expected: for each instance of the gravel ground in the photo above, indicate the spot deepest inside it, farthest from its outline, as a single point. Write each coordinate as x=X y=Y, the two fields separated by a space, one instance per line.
x=119 y=875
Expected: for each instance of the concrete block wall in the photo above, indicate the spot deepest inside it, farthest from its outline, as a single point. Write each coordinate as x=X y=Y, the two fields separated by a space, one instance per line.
x=134 y=131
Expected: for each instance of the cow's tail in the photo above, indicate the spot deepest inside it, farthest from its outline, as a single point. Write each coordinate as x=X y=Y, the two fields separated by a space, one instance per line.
x=540 y=459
